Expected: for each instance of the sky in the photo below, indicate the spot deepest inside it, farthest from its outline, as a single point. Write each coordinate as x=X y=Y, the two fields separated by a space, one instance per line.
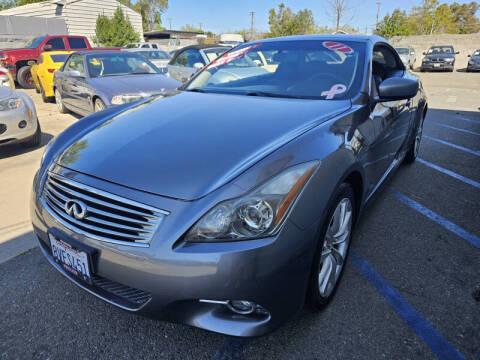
x=222 y=16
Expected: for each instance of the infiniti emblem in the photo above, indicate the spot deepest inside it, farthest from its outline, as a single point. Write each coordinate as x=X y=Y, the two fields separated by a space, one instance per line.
x=76 y=209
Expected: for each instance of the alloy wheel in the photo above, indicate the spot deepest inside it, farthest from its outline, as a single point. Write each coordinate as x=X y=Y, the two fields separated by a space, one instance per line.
x=99 y=105
x=335 y=246
x=58 y=100
x=418 y=138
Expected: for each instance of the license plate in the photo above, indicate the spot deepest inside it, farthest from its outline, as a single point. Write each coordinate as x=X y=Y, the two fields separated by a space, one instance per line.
x=72 y=260
x=436 y=65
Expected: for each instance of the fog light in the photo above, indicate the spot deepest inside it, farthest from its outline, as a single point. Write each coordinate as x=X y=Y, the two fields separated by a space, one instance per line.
x=22 y=124
x=241 y=306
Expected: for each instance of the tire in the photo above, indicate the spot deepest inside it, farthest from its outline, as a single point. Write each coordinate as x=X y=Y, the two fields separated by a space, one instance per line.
x=414 y=148
x=35 y=140
x=45 y=98
x=24 y=78
x=99 y=105
x=322 y=287
x=58 y=99
x=37 y=90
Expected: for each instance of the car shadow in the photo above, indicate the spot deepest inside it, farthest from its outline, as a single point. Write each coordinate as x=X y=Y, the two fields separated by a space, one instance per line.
x=15 y=149
x=462 y=70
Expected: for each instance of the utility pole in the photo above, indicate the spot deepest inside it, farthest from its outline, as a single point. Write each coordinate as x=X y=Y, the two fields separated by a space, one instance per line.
x=170 y=22
x=252 y=14
x=378 y=13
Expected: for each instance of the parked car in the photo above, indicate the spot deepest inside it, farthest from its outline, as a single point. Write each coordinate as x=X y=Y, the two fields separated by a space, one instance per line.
x=141 y=45
x=407 y=54
x=159 y=58
x=231 y=40
x=6 y=79
x=92 y=81
x=226 y=205
x=439 y=58
x=188 y=60
x=18 y=119
x=42 y=72
x=474 y=61
x=19 y=61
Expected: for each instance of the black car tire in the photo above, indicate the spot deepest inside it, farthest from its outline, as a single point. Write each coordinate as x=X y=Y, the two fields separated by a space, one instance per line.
x=35 y=140
x=58 y=99
x=24 y=78
x=37 y=90
x=412 y=153
x=314 y=298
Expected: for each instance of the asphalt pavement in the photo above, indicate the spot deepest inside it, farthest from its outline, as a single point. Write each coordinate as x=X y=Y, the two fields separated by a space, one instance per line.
x=411 y=287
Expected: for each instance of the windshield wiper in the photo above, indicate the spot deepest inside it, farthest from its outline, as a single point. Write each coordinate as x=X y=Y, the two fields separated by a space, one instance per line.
x=269 y=94
x=196 y=90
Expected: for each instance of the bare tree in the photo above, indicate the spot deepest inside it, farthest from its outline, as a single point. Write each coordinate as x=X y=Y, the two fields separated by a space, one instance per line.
x=338 y=10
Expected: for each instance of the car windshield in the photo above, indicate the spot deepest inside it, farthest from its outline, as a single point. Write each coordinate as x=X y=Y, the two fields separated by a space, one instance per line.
x=440 y=50
x=214 y=53
x=308 y=69
x=59 y=58
x=114 y=64
x=402 y=51
x=156 y=55
x=33 y=44
x=476 y=53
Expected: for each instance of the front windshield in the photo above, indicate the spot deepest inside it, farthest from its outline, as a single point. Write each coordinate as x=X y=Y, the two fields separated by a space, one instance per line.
x=309 y=69
x=214 y=53
x=156 y=55
x=33 y=44
x=476 y=53
x=402 y=51
x=115 y=64
x=440 y=50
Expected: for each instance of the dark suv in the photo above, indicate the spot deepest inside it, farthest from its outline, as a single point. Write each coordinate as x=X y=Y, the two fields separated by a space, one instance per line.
x=439 y=58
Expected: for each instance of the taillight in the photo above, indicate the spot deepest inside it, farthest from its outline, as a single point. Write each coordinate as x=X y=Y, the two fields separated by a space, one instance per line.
x=51 y=71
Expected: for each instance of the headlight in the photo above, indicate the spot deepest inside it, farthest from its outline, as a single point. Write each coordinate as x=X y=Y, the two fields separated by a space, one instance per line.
x=449 y=60
x=10 y=104
x=123 y=99
x=256 y=214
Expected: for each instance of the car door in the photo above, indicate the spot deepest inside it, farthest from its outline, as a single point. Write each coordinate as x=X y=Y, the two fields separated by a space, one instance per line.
x=63 y=82
x=80 y=89
x=74 y=82
x=391 y=120
x=181 y=66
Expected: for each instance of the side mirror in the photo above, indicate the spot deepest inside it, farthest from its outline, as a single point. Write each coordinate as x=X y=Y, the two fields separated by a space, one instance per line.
x=47 y=47
x=395 y=88
x=424 y=53
x=457 y=52
x=75 y=73
x=198 y=66
x=469 y=55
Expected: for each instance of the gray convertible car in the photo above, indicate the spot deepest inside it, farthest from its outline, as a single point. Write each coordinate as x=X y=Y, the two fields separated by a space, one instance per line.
x=228 y=203
x=91 y=81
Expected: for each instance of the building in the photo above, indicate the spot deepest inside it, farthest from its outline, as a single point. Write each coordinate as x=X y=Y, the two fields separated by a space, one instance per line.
x=174 y=39
x=80 y=16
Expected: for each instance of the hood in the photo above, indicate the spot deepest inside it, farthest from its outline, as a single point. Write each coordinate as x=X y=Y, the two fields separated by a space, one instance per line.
x=134 y=84
x=5 y=92
x=8 y=50
x=187 y=144
x=440 y=56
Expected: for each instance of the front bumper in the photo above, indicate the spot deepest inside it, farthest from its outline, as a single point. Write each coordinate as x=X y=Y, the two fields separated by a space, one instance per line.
x=10 y=131
x=473 y=67
x=174 y=277
x=437 y=66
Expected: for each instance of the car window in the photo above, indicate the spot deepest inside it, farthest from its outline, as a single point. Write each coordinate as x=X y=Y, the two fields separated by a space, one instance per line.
x=476 y=53
x=115 y=64
x=32 y=44
x=309 y=69
x=60 y=58
x=385 y=64
x=188 y=58
x=402 y=51
x=214 y=53
x=434 y=50
x=154 y=46
x=77 y=43
x=145 y=46
x=57 y=44
x=76 y=63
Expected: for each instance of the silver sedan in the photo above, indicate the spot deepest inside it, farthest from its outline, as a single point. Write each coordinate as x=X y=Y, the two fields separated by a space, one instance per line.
x=18 y=119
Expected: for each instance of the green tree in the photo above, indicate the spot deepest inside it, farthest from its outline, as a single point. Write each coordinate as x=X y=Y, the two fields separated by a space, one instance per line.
x=190 y=27
x=117 y=31
x=465 y=17
x=25 y=2
x=285 y=22
x=7 y=4
x=395 y=24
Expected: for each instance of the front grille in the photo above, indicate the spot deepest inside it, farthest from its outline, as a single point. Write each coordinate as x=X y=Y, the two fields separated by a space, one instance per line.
x=108 y=217
x=131 y=295
x=3 y=128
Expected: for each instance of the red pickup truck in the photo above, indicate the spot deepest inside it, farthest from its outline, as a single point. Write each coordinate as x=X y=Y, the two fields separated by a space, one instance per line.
x=18 y=61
